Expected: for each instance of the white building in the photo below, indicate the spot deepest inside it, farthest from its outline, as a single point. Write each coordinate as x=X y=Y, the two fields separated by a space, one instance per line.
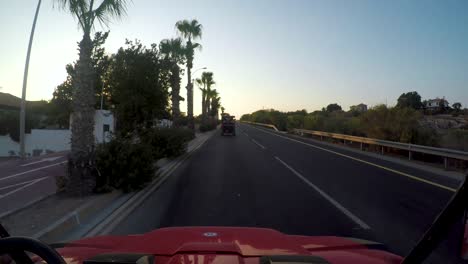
x=43 y=141
x=103 y=125
x=434 y=104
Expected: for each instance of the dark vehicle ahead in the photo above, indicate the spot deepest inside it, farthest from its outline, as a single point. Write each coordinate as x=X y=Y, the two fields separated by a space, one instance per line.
x=228 y=125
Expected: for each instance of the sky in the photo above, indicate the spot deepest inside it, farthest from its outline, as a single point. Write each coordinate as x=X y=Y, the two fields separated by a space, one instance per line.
x=281 y=54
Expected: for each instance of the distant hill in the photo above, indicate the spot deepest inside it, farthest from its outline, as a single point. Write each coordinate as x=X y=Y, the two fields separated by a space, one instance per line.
x=9 y=101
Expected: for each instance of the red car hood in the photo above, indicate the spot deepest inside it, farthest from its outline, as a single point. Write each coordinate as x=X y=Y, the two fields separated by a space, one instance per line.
x=224 y=245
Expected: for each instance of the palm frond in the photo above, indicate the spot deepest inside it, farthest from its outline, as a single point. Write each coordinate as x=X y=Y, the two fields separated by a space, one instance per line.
x=182 y=27
x=199 y=82
x=197 y=46
x=77 y=8
x=189 y=29
x=110 y=9
x=196 y=29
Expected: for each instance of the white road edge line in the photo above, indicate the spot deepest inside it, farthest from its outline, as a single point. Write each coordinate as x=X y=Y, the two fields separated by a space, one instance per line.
x=326 y=196
x=19 y=189
x=258 y=144
x=42 y=160
x=366 y=162
x=36 y=169
x=16 y=184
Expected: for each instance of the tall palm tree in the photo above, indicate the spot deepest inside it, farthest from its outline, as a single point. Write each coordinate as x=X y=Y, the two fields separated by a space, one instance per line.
x=205 y=84
x=207 y=78
x=202 y=86
x=81 y=162
x=215 y=104
x=190 y=30
x=173 y=51
x=212 y=95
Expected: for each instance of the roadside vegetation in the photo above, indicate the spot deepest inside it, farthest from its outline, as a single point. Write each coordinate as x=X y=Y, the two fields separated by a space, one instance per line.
x=140 y=84
x=128 y=162
x=407 y=122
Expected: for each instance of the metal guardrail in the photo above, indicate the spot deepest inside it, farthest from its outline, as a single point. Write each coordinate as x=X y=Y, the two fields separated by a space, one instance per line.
x=442 y=152
x=411 y=148
x=261 y=124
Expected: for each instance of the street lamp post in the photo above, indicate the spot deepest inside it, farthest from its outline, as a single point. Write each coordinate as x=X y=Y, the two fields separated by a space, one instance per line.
x=25 y=81
x=193 y=74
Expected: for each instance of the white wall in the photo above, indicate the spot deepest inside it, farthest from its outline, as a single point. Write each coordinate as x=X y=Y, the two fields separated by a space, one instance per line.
x=7 y=145
x=56 y=139
x=47 y=140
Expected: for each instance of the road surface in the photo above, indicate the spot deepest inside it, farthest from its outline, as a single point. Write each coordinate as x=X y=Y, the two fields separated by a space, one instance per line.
x=25 y=181
x=298 y=186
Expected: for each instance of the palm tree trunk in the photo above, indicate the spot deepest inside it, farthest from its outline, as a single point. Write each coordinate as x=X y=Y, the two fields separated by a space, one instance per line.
x=203 y=103
x=190 y=100
x=191 y=123
x=82 y=179
x=175 y=83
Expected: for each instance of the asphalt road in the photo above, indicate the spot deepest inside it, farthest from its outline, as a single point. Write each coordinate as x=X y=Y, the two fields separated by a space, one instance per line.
x=299 y=186
x=26 y=181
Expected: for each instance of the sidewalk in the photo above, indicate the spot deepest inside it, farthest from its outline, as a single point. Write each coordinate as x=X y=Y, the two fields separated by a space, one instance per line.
x=57 y=214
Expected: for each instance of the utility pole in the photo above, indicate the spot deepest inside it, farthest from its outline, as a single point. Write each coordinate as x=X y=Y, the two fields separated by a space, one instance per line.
x=25 y=81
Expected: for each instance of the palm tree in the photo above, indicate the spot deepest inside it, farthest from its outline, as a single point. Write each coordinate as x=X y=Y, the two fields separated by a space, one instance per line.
x=190 y=30
x=205 y=84
x=81 y=162
x=173 y=51
x=222 y=109
x=215 y=104
x=202 y=86
x=212 y=95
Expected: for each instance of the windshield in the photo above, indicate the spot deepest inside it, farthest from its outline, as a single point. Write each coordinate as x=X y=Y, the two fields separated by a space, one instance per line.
x=312 y=118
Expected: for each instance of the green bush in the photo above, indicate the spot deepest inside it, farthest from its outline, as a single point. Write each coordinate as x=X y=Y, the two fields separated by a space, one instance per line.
x=208 y=125
x=127 y=163
x=123 y=164
x=167 y=142
x=457 y=139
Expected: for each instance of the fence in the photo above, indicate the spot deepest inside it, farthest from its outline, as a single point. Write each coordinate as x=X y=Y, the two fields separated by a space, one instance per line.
x=411 y=148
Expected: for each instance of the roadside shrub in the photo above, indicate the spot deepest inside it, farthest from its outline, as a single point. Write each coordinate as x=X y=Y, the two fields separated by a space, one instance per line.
x=456 y=139
x=123 y=164
x=167 y=142
x=208 y=125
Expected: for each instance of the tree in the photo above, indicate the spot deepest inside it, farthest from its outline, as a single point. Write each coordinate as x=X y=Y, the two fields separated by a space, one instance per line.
x=190 y=30
x=215 y=105
x=173 y=51
x=202 y=87
x=410 y=99
x=457 y=106
x=210 y=96
x=81 y=162
x=333 y=108
x=206 y=82
x=60 y=106
x=222 y=109
x=137 y=92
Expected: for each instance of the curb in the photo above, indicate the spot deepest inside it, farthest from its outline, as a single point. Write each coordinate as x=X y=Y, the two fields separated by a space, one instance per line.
x=24 y=206
x=81 y=216
x=108 y=224
x=74 y=218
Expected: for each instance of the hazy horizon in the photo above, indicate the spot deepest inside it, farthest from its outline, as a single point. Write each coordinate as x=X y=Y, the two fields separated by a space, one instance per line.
x=286 y=55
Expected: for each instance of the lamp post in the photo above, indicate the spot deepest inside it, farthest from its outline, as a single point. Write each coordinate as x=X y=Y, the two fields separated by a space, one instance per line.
x=25 y=81
x=193 y=74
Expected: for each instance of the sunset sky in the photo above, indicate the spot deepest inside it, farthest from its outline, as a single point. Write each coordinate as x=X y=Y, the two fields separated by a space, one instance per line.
x=278 y=54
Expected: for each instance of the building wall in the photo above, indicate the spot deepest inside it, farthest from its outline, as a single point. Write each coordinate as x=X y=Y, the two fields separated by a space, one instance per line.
x=7 y=145
x=103 y=118
x=43 y=141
